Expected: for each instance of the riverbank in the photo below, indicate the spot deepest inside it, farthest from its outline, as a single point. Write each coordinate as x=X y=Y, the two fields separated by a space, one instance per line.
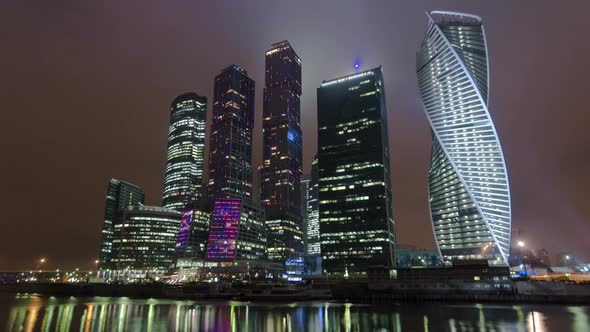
x=351 y=291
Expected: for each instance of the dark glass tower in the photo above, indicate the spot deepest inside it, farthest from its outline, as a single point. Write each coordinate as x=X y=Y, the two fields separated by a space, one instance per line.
x=282 y=169
x=120 y=195
x=186 y=146
x=356 y=216
x=230 y=147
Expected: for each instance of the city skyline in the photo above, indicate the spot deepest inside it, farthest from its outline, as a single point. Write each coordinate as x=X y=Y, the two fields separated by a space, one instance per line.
x=540 y=197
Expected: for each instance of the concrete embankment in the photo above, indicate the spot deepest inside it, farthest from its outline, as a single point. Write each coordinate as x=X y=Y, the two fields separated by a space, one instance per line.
x=352 y=291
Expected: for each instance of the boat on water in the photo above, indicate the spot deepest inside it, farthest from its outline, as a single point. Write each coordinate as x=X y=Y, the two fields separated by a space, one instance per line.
x=283 y=291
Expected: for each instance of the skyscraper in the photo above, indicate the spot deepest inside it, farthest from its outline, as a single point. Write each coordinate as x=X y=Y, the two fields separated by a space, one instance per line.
x=186 y=145
x=356 y=216
x=313 y=217
x=305 y=179
x=145 y=240
x=230 y=147
x=120 y=195
x=468 y=182
x=282 y=159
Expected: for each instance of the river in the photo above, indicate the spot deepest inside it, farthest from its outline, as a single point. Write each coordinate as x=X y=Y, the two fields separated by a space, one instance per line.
x=30 y=312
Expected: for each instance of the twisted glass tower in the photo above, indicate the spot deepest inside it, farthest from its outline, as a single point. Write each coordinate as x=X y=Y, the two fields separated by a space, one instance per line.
x=468 y=182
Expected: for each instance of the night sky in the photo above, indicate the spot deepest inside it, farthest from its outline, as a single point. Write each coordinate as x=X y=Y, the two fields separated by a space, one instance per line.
x=86 y=87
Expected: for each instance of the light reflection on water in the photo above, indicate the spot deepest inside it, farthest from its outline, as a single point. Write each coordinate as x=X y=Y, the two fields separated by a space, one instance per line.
x=35 y=313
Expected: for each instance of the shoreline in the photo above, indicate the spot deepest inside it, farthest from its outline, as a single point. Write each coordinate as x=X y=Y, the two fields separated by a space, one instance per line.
x=355 y=293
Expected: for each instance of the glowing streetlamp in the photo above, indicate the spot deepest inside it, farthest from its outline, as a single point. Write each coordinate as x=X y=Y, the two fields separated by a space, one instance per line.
x=520 y=244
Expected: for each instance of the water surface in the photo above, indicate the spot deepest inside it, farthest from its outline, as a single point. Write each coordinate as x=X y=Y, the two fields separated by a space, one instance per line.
x=30 y=312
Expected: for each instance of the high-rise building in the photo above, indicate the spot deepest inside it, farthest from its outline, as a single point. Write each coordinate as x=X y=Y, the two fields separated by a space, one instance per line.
x=282 y=159
x=186 y=146
x=312 y=231
x=304 y=197
x=355 y=205
x=230 y=147
x=120 y=195
x=145 y=239
x=468 y=181
x=237 y=231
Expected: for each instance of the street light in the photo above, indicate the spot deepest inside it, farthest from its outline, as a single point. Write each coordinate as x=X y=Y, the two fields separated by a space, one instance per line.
x=520 y=244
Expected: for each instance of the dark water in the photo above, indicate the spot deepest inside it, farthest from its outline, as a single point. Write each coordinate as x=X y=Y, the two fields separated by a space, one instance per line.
x=37 y=313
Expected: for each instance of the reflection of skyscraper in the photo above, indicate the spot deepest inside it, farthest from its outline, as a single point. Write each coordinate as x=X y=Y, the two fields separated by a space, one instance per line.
x=120 y=195
x=230 y=146
x=186 y=146
x=468 y=182
x=282 y=170
x=355 y=208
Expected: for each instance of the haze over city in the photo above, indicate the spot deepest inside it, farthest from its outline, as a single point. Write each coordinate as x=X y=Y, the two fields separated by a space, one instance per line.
x=86 y=92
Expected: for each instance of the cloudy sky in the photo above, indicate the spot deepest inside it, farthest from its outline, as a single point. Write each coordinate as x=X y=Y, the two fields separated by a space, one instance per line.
x=85 y=91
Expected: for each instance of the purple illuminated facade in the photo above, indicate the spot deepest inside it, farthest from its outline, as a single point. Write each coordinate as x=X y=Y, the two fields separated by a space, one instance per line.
x=237 y=231
x=184 y=231
x=223 y=233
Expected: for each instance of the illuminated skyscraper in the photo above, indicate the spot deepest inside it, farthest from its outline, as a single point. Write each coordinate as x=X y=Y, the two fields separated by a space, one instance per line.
x=145 y=240
x=282 y=169
x=468 y=182
x=120 y=195
x=237 y=231
x=356 y=217
x=230 y=147
x=186 y=146
x=313 y=217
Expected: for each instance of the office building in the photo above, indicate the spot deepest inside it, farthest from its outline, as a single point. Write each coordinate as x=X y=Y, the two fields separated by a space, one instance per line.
x=186 y=145
x=237 y=231
x=468 y=181
x=312 y=206
x=230 y=147
x=144 y=240
x=282 y=159
x=120 y=195
x=193 y=234
x=355 y=204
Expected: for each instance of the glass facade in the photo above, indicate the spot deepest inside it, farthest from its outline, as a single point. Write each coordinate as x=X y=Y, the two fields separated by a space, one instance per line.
x=468 y=181
x=186 y=147
x=120 y=195
x=313 y=216
x=237 y=231
x=145 y=238
x=193 y=233
x=282 y=159
x=230 y=146
x=355 y=205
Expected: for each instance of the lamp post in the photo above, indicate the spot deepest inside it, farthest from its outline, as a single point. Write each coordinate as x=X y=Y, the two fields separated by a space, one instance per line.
x=41 y=262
